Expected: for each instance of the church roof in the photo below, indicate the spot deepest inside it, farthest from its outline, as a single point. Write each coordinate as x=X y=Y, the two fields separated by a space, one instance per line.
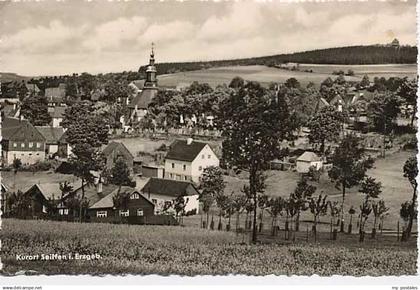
x=144 y=98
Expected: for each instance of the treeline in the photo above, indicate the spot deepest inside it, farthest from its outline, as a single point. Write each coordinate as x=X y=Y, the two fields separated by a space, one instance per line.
x=351 y=55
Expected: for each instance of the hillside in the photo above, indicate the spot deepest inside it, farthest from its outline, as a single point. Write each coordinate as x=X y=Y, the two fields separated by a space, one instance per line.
x=352 y=55
x=8 y=77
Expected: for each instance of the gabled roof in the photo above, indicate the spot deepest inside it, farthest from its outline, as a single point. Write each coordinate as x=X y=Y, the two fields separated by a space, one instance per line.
x=108 y=201
x=139 y=84
x=51 y=190
x=308 y=157
x=180 y=150
x=19 y=130
x=91 y=192
x=169 y=187
x=55 y=94
x=144 y=98
x=112 y=146
x=51 y=134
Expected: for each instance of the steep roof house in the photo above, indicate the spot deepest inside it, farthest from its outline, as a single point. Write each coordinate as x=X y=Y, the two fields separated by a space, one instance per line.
x=21 y=140
x=162 y=191
x=57 y=116
x=117 y=150
x=137 y=210
x=52 y=136
x=186 y=160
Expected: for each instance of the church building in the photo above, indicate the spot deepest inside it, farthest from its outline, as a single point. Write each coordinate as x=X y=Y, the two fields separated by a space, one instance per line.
x=138 y=106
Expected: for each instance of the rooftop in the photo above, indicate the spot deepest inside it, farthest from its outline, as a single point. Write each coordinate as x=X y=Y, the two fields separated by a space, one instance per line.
x=169 y=187
x=181 y=150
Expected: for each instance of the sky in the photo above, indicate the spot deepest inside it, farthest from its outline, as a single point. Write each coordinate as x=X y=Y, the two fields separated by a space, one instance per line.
x=74 y=36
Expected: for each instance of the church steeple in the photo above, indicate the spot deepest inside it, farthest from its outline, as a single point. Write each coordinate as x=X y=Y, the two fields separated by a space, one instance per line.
x=151 y=80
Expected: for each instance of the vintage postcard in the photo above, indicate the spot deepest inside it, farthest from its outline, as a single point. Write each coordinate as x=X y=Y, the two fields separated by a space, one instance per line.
x=208 y=138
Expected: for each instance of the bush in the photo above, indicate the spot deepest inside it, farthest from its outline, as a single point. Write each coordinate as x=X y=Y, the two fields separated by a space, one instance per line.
x=40 y=166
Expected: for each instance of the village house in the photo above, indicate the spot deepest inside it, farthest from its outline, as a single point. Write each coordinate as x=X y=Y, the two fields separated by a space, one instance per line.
x=64 y=148
x=137 y=210
x=140 y=103
x=56 y=96
x=163 y=192
x=21 y=140
x=115 y=151
x=306 y=160
x=186 y=160
x=52 y=136
x=57 y=116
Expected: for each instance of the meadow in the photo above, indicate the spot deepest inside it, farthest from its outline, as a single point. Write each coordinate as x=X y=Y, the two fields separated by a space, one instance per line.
x=265 y=75
x=125 y=249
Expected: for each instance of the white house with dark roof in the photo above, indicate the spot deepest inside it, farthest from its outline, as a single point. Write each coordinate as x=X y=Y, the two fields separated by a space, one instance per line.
x=163 y=191
x=186 y=160
x=307 y=160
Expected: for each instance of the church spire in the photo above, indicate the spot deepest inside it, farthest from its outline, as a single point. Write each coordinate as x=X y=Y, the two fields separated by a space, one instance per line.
x=151 y=80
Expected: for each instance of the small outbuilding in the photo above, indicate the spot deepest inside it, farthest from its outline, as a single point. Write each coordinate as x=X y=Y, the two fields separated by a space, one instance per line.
x=306 y=160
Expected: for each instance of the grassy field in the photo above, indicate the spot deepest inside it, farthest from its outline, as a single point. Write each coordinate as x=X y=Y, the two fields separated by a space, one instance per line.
x=265 y=75
x=124 y=249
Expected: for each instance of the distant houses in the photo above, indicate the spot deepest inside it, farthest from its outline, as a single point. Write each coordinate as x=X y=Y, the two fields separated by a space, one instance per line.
x=186 y=160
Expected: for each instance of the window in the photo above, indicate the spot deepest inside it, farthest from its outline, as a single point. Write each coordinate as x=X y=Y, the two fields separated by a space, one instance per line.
x=140 y=212
x=38 y=145
x=101 y=213
x=14 y=144
x=202 y=156
x=31 y=144
x=185 y=177
x=22 y=145
x=200 y=168
x=124 y=213
x=171 y=175
x=135 y=196
x=185 y=167
x=209 y=156
x=173 y=165
x=154 y=201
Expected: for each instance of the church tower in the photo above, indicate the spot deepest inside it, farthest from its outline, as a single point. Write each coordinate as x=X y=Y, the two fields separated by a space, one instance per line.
x=151 y=80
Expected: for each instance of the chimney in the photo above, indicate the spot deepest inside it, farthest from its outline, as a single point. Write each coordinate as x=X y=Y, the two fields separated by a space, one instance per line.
x=189 y=141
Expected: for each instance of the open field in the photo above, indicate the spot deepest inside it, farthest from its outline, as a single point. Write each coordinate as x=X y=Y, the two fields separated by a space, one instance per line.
x=265 y=75
x=125 y=249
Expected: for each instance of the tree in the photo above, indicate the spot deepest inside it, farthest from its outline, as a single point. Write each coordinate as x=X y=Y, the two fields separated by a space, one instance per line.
x=87 y=131
x=326 y=125
x=365 y=82
x=379 y=212
x=349 y=167
x=120 y=201
x=383 y=109
x=179 y=206
x=410 y=172
x=238 y=203
x=408 y=91
x=236 y=83
x=318 y=207
x=301 y=197
x=120 y=174
x=365 y=210
x=292 y=83
x=35 y=110
x=263 y=203
x=253 y=123
x=212 y=185
x=275 y=208
x=17 y=165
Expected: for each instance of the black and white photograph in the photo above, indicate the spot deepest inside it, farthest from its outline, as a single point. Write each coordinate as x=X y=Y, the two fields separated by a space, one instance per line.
x=208 y=138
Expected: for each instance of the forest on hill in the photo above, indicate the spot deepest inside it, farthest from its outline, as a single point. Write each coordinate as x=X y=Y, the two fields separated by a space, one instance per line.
x=351 y=55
